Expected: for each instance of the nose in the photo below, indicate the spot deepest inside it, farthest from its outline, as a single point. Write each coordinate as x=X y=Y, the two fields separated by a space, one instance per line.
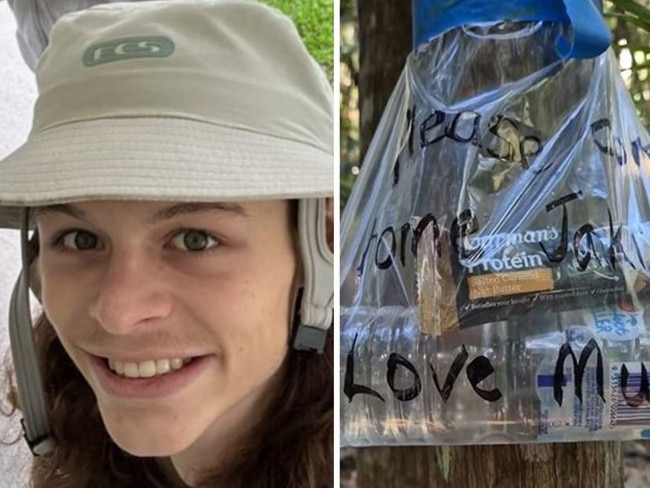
x=132 y=294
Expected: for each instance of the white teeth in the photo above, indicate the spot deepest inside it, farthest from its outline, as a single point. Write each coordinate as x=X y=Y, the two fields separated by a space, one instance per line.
x=119 y=367
x=131 y=370
x=163 y=366
x=147 y=369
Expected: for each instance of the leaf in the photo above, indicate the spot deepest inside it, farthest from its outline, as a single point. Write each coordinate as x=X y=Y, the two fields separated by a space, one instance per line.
x=634 y=7
x=640 y=23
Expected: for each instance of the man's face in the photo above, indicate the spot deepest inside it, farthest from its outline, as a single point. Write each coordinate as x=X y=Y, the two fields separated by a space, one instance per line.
x=136 y=290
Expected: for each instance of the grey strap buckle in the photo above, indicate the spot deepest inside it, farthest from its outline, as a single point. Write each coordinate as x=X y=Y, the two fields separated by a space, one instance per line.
x=316 y=308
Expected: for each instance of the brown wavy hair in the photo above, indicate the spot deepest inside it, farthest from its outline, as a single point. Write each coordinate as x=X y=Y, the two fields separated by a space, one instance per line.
x=291 y=446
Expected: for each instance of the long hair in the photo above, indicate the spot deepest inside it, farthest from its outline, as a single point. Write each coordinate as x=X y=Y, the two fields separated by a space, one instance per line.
x=291 y=446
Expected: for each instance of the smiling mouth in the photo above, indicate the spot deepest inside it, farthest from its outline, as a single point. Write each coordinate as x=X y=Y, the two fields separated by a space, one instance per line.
x=147 y=369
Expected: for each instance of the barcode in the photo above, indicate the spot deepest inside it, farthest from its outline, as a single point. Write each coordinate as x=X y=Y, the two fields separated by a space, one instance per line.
x=623 y=414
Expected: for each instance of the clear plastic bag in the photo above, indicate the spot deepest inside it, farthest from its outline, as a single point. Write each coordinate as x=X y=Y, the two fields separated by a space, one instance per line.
x=495 y=262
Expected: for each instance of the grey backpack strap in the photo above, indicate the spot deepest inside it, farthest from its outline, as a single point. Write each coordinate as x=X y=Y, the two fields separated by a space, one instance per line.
x=317 y=302
x=28 y=377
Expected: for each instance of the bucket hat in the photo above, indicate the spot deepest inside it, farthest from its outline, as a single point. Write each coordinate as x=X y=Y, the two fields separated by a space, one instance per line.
x=173 y=100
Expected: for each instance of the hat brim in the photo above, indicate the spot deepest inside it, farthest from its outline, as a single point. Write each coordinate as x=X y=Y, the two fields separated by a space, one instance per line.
x=164 y=159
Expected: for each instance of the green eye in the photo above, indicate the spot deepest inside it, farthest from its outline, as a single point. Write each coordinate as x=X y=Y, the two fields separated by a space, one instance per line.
x=194 y=240
x=80 y=240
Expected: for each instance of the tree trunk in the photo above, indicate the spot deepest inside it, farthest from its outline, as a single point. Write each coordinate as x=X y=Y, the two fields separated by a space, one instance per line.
x=384 y=42
x=570 y=465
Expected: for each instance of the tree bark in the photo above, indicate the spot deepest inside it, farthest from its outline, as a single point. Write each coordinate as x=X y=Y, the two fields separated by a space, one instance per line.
x=384 y=42
x=570 y=465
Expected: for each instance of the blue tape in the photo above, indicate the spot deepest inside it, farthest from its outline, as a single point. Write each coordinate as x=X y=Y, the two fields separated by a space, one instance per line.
x=590 y=34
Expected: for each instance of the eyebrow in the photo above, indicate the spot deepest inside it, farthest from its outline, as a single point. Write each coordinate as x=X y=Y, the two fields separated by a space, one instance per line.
x=162 y=214
x=198 y=207
x=65 y=209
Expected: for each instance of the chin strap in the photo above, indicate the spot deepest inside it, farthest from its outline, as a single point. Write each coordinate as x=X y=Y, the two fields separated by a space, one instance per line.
x=28 y=377
x=317 y=301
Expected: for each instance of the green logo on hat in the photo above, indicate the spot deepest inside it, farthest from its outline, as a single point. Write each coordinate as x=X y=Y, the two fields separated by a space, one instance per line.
x=128 y=48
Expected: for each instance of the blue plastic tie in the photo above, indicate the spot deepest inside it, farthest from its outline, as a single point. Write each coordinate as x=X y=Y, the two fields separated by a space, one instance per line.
x=590 y=35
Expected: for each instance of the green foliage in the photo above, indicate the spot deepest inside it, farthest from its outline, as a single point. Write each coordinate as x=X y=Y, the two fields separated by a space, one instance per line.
x=315 y=22
x=630 y=24
x=349 y=112
x=635 y=11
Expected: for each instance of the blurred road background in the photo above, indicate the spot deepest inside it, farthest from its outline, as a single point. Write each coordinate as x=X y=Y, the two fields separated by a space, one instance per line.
x=17 y=94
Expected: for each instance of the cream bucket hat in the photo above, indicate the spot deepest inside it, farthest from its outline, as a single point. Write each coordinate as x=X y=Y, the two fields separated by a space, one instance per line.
x=177 y=100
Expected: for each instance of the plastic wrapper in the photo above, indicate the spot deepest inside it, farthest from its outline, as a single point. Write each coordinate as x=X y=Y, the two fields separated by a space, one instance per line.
x=495 y=268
